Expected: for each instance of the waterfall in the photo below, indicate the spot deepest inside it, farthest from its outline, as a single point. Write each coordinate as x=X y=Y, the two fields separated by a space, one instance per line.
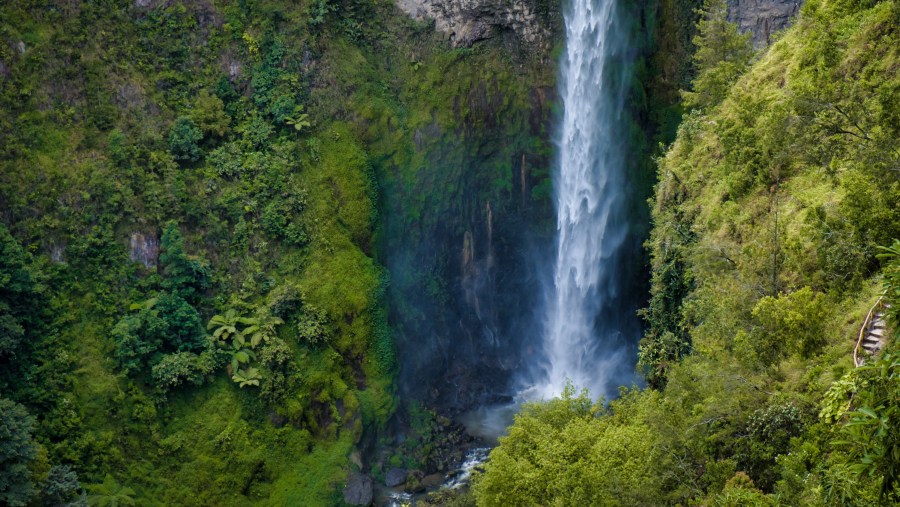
x=590 y=322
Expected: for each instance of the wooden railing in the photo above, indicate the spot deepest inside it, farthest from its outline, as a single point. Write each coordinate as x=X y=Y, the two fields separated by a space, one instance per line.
x=862 y=331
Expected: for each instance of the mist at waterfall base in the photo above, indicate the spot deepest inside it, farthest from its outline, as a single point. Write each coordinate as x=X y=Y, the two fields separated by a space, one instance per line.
x=587 y=319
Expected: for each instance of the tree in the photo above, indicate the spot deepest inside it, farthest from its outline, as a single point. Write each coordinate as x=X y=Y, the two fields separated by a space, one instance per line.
x=722 y=55
x=261 y=329
x=17 y=450
x=562 y=452
x=209 y=114
x=226 y=326
x=871 y=433
x=181 y=327
x=165 y=324
x=110 y=494
x=19 y=300
x=133 y=343
x=182 y=274
x=61 y=487
x=790 y=322
x=184 y=139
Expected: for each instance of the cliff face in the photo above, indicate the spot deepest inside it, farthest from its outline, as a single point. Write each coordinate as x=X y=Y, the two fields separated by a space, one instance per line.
x=762 y=17
x=468 y=21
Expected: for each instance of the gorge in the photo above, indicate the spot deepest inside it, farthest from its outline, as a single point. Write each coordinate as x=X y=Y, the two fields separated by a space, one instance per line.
x=326 y=252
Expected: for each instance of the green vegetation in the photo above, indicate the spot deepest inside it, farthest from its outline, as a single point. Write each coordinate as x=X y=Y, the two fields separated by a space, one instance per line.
x=722 y=55
x=197 y=197
x=16 y=452
x=191 y=305
x=771 y=215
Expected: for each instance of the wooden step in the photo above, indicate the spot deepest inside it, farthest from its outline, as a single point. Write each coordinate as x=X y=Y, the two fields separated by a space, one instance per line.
x=876 y=333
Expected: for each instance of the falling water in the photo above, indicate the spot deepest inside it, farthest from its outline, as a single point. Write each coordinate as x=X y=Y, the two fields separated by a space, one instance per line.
x=590 y=322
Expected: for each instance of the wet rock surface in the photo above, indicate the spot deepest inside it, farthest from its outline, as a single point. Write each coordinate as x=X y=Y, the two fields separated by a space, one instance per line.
x=395 y=477
x=144 y=248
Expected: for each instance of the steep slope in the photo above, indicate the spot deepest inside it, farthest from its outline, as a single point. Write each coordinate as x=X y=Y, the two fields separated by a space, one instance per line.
x=767 y=221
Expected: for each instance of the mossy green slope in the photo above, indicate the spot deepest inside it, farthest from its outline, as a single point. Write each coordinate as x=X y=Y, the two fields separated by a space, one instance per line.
x=264 y=130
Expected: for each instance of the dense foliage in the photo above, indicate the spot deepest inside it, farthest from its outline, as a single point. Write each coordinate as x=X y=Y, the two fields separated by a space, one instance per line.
x=770 y=216
x=192 y=310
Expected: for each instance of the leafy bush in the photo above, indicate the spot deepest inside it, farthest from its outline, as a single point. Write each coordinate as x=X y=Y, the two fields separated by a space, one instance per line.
x=181 y=368
x=165 y=324
x=794 y=322
x=891 y=258
x=870 y=435
x=184 y=140
x=312 y=325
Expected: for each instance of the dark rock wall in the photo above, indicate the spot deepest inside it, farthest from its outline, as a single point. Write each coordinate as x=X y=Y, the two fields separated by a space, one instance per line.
x=762 y=17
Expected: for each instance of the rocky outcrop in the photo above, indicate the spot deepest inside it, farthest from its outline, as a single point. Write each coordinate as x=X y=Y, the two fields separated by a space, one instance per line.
x=468 y=21
x=395 y=477
x=144 y=248
x=763 y=18
x=359 y=490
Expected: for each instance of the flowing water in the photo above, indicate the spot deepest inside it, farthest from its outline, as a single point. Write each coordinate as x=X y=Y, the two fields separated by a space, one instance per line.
x=590 y=323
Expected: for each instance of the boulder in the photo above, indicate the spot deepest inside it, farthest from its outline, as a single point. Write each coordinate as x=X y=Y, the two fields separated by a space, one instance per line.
x=359 y=490
x=395 y=477
x=433 y=480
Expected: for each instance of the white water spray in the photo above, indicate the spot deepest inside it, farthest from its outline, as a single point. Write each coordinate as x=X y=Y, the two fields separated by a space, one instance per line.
x=586 y=327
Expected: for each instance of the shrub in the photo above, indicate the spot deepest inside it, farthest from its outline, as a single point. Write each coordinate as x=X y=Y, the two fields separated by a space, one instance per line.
x=209 y=114
x=790 y=322
x=184 y=139
x=181 y=368
x=312 y=327
x=166 y=324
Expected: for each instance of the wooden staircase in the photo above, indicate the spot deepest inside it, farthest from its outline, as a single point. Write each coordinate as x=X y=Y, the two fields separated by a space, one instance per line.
x=873 y=334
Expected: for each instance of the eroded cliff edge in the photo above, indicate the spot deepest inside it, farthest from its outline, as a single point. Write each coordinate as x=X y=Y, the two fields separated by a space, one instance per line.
x=468 y=21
